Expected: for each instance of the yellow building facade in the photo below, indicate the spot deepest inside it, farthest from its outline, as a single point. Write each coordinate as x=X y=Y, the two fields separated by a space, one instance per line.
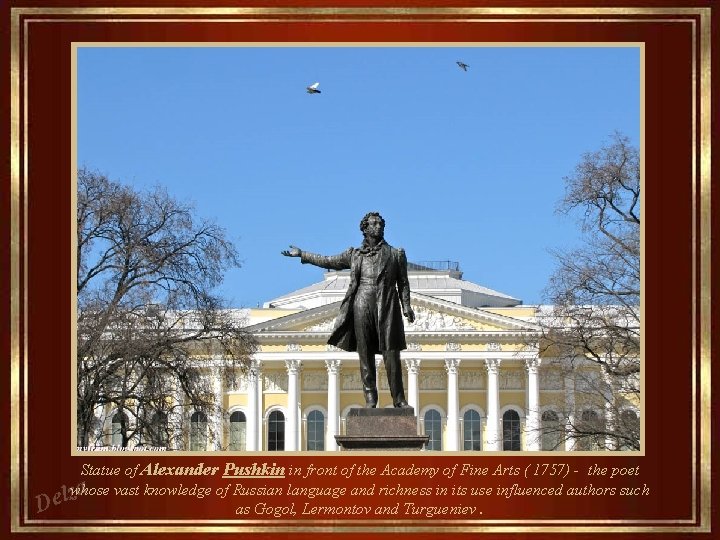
x=472 y=371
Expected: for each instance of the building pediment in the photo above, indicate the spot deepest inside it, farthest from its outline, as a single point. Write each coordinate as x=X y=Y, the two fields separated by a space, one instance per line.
x=432 y=315
x=445 y=283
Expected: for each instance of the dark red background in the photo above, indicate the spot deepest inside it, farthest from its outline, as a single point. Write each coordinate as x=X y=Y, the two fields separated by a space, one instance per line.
x=666 y=466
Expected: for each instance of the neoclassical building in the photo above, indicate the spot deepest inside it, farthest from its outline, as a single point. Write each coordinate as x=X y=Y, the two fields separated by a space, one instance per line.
x=472 y=372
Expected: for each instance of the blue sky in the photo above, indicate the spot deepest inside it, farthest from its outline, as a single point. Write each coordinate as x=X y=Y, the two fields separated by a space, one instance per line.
x=464 y=166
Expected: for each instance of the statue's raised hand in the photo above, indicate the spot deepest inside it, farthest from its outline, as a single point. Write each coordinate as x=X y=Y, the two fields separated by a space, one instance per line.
x=292 y=252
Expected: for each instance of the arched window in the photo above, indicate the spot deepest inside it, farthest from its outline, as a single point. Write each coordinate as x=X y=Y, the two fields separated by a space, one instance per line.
x=158 y=430
x=316 y=430
x=433 y=428
x=198 y=431
x=552 y=431
x=119 y=424
x=472 y=429
x=590 y=431
x=276 y=431
x=238 y=425
x=511 y=430
x=628 y=430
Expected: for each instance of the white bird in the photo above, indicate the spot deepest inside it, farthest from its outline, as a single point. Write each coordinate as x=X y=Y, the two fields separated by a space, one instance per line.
x=313 y=88
x=462 y=65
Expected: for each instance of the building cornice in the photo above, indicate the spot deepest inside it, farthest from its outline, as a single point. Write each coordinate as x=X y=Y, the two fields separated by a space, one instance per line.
x=430 y=336
x=419 y=355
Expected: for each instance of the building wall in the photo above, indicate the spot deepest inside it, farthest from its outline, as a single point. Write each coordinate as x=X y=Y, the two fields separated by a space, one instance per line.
x=478 y=342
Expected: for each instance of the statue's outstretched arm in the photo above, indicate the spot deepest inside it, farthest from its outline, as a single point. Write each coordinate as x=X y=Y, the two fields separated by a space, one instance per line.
x=332 y=262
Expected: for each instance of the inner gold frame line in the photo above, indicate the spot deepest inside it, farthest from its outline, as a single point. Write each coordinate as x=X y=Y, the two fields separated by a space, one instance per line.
x=357 y=12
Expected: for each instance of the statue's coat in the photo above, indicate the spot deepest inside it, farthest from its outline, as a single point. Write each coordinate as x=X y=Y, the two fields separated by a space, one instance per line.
x=393 y=289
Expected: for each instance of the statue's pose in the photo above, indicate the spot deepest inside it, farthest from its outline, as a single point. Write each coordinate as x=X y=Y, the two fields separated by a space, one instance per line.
x=370 y=320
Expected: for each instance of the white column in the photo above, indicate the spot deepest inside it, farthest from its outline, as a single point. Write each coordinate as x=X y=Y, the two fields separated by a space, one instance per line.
x=492 y=438
x=570 y=407
x=451 y=366
x=533 y=432
x=292 y=431
x=217 y=420
x=413 y=394
x=610 y=393
x=177 y=417
x=260 y=411
x=253 y=413
x=333 y=407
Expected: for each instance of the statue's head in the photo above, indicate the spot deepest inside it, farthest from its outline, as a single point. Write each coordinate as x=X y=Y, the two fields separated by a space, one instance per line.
x=367 y=220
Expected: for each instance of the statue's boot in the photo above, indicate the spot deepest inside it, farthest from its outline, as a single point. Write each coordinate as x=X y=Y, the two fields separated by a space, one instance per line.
x=400 y=402
x=371 y=398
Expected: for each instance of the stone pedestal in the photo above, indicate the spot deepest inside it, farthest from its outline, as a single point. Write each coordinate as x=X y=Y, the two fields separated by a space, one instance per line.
x=381 y=429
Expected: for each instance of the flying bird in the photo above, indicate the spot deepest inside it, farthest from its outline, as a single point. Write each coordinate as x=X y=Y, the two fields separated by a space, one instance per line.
x=313 y=88
x=462 y=65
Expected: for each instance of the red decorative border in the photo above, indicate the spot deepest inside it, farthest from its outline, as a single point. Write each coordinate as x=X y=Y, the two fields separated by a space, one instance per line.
x=676 y=247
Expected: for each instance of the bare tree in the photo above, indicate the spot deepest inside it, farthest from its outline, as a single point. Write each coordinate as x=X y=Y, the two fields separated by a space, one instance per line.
x=151 y=335
x=592 y=329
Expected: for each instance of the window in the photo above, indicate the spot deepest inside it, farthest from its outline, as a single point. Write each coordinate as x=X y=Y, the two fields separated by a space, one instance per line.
x=238 y=425
x=628 y=430
x=276 y=431
x=316 y=430
x=119 y=425
x=433 y=428
x=198 y=431
x=590 y=431
x=158 y=430
x=552 y=431
x=511 y=430
x=472 y=430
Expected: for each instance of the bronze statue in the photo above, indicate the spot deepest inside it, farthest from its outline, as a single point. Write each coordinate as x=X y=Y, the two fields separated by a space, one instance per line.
x=370 y=320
